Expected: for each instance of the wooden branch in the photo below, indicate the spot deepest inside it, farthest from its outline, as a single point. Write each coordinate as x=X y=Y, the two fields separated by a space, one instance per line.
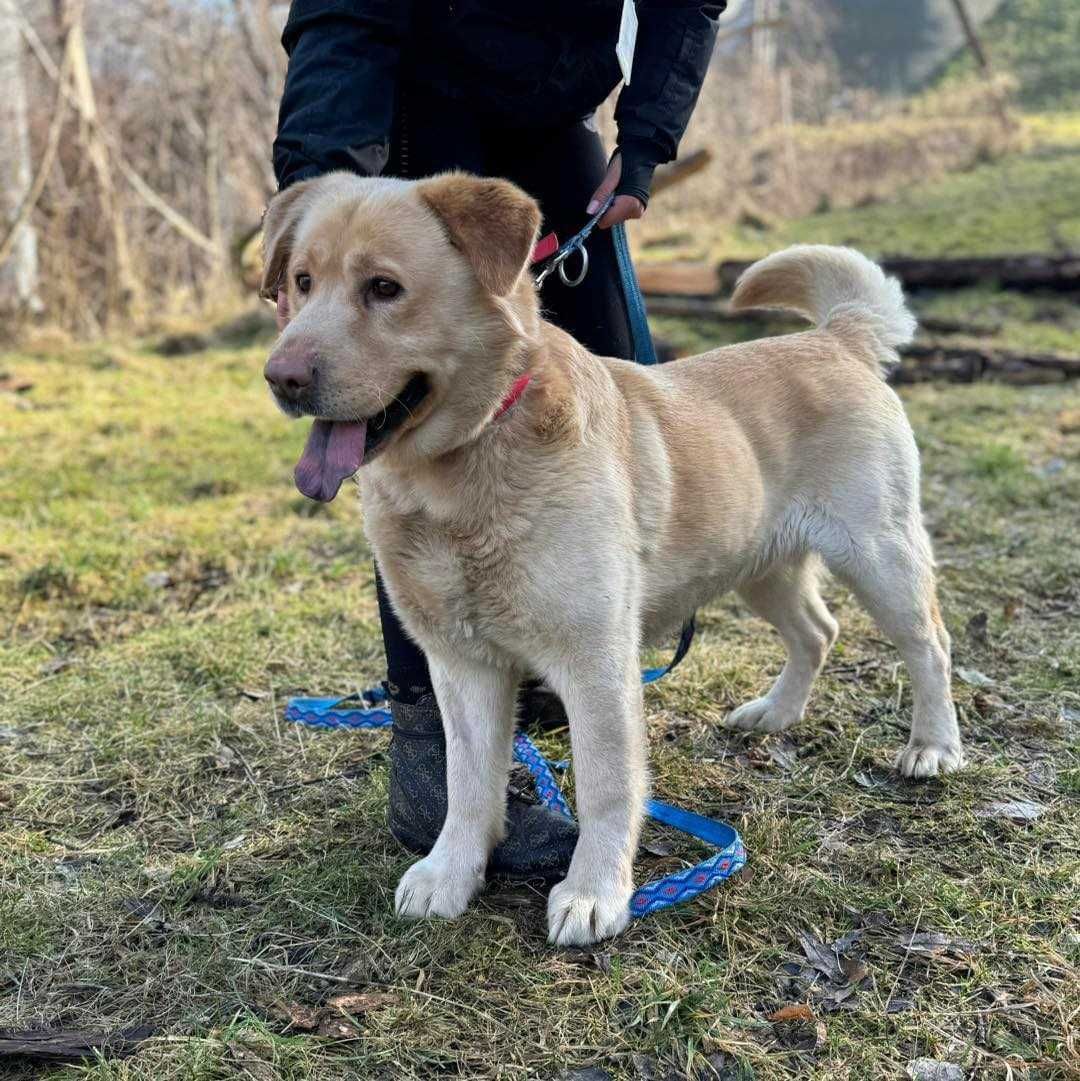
x=967 y=24
x=667 y=176
x=177 y=220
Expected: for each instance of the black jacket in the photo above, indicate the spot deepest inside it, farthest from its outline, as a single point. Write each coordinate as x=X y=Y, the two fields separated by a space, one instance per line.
x=531 y=63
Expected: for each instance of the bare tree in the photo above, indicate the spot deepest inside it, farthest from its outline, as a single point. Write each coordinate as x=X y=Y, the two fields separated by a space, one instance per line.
x=19 y=255
x=124 y=291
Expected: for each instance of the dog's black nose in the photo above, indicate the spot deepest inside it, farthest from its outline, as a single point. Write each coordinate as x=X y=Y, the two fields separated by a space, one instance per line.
x=291 y=371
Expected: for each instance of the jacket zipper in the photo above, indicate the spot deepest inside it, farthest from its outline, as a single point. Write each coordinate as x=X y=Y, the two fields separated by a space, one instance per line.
x=403 y=145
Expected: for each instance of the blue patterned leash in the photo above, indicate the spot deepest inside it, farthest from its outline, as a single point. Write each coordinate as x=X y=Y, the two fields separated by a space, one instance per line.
x=367 y=710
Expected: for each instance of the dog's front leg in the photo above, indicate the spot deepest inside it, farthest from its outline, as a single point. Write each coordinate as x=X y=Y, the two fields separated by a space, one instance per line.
x=477 y=706
x=602 y=693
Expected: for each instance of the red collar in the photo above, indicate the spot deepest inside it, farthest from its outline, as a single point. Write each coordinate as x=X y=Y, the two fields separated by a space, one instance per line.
x=513 y=394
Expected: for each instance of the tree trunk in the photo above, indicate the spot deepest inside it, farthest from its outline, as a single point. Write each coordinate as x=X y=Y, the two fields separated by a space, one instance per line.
x=19 y=272
x=124 y=292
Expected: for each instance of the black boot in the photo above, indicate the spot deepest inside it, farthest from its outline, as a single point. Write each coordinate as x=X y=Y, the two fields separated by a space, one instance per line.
x=540 y=708
x=538 y=842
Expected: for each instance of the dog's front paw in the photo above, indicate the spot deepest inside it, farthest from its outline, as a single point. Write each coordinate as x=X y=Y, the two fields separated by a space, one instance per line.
x=579 y=917
x=435 y=887
x=762 y=715
x=923 y=760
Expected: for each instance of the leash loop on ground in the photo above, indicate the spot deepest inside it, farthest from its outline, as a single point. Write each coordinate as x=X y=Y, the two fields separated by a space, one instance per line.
x=366 y=710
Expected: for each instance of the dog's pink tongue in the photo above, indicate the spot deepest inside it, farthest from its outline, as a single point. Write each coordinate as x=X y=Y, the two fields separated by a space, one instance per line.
x=334 y=451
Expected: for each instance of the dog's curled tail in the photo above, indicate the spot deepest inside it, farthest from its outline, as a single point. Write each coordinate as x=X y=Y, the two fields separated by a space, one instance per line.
x=833 y=287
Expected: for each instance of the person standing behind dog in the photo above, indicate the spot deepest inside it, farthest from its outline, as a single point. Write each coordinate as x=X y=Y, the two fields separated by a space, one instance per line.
x=503 y=88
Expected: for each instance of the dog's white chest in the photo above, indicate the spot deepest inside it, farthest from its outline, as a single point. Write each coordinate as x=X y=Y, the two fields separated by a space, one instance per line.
x=455 y=590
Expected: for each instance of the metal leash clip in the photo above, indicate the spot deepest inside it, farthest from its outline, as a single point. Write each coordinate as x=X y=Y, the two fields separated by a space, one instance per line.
x=576 y=244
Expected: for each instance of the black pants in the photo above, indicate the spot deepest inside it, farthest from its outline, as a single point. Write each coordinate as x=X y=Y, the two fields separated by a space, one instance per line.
x=560 y=168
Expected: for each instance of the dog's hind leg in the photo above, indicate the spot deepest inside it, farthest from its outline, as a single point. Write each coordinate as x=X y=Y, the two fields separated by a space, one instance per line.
x=477 y=705
x=892 y=574
x=600 y=685
x=788 y=597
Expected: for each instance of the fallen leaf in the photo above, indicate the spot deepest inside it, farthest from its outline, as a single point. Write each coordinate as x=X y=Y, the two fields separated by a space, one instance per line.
x=836 y=996
x=302 y=1018
x=974 y=678
x=157 y=580
x=865 y=779
x=224 y=756
x=976 y=627
x=929 y=1069
x=16 y=386
x=855 y=971
x=822 y=957
x=1051 y=468
x=784 y=753
x=899 y=1005
x=1011 y=609
x=338 y=1028
x=363 y=1002
x=795 y=1011
x=57 y=664
x=1068 y=421
x=988 y=704
x=936 y=944
x=1018 y=810
x=656 y=847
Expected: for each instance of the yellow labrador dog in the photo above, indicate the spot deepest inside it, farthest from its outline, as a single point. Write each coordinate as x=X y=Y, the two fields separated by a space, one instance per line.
x=538 y=509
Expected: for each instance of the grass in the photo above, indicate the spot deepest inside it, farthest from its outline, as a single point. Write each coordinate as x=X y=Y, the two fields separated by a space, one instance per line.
x=1023 y=202
x=172 y=853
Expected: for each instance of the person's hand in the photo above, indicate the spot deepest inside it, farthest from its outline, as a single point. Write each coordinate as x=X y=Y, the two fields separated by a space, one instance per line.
x=625 y=207
x=281 y=311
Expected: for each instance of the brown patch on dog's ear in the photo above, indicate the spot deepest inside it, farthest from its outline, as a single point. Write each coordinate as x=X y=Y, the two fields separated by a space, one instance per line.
x=278 y=229
x=492 y=222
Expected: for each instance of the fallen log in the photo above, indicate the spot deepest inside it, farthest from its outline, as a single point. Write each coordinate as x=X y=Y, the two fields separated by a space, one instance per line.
x=679 y=279
x=957 y=363
x=1058 y=272
x=924 y=361
x=717 y=311
x=70 y=1045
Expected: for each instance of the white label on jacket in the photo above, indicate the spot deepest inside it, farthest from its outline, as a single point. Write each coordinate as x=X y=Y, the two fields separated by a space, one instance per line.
x=624 y=50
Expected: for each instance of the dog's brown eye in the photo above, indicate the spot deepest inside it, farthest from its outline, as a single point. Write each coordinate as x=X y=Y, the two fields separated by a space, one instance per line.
x=384 y=288
x=303 y=283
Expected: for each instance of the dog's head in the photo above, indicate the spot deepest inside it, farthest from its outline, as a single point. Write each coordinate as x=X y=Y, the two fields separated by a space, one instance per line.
x=409 y=305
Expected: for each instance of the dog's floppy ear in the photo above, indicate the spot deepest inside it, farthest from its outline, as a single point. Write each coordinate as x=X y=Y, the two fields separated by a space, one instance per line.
x=492 y=222
x=278 y=229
